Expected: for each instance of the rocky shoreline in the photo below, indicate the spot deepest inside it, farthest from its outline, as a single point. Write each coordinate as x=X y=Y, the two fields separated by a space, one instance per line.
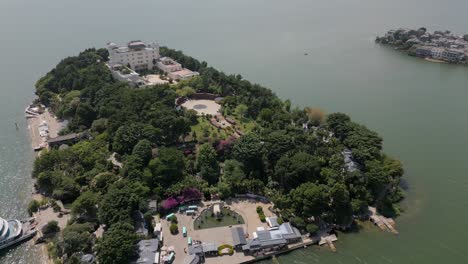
x=437 y=46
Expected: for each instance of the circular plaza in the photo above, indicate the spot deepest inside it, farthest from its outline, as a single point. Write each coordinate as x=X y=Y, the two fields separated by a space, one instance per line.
x=202 y=106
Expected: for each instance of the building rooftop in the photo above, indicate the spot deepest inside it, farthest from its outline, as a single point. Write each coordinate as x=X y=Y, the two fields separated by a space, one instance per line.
x=192 y=259
x=271 y=238
x=136 y=44
x=209 y=247
x=63 y=138
x=184 y=72
x=147 y=251
x=168 y=61
x=133 y=45
x=195 y=249
x=238 y=236
x=272 y=221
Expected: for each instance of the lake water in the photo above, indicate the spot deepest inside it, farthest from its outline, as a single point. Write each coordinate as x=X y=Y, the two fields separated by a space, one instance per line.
x=419 y=108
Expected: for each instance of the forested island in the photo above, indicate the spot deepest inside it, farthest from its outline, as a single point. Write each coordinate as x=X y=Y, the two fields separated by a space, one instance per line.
x=438 y=46
x=318 y=170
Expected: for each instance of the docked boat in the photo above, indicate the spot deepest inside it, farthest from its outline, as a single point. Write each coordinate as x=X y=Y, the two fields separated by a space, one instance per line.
x=15 y=231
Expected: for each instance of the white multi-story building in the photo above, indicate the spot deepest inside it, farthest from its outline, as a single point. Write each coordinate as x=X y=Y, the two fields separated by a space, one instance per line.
x=136 y=54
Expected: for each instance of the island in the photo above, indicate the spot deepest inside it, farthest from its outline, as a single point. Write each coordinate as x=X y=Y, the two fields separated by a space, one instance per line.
x=147 y=155
x=439 y=46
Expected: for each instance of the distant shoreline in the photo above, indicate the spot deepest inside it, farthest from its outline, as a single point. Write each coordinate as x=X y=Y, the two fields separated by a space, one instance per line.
x=438 y=46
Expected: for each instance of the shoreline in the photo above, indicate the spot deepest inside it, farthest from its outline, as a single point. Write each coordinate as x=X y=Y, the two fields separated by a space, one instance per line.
x=54 y=127
x=435 y=60
x=37 y=141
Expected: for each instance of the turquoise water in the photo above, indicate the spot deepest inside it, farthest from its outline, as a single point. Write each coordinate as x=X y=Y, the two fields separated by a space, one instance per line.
x=418 y=107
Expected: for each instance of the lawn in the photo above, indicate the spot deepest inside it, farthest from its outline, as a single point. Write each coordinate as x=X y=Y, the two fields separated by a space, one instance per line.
x=208 y=220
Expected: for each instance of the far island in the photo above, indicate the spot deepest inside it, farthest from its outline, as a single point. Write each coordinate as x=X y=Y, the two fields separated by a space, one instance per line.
x=439 y=46
x=161 y=158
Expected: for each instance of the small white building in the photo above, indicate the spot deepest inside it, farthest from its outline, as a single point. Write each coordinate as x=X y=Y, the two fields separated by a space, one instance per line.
x=217 y=209
x=123 y=73
x=183 y=74
x=168 y=65
x=272 y=221
x=137 y=54
x=174 y=70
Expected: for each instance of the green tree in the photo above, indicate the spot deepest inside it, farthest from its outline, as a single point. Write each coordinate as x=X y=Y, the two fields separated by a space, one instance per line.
x=312 y=228
x=174 y=228
x=167 y=168
x=102 y=181
x=49 y=180
x=127 y=136
x=73 y=241
x=339 y=123
x=85 y=205
x=277 y=143
x=359 y=207
x=100 y=125
x=84 y=116
x=265 y=116
x=309 y=199
x=185 y=91
x=143 y=150
x=46 y=162
x=383 y=176
x=118 y=204
x=33 y=206
x=248 y=149
x=117 y=245
x=133 y=167
x=341 y=204
x=290 y=172
x=233 y=171
x=298 y=222
x=207 y=163
x=50 y=228
x=241 y=110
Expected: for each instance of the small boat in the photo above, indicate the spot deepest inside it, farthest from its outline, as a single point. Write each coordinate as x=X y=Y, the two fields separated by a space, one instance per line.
x=15 y=231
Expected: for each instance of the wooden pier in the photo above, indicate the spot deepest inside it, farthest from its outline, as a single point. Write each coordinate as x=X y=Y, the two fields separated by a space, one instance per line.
x=384 y=223
x=328 y=239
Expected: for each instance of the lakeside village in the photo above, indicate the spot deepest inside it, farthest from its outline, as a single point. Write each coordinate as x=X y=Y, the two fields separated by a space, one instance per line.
x=188 y=229
x=439 y=46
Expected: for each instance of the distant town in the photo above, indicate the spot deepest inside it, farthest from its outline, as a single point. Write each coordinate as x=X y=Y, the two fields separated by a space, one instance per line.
x=439 y=46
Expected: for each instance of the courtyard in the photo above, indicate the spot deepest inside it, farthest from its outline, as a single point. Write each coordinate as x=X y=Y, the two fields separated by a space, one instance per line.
x=154 y=79
x=226 y=217
x=246 y=208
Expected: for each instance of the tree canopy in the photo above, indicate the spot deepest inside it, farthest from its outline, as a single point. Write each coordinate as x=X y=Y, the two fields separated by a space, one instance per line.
x=297 y=157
